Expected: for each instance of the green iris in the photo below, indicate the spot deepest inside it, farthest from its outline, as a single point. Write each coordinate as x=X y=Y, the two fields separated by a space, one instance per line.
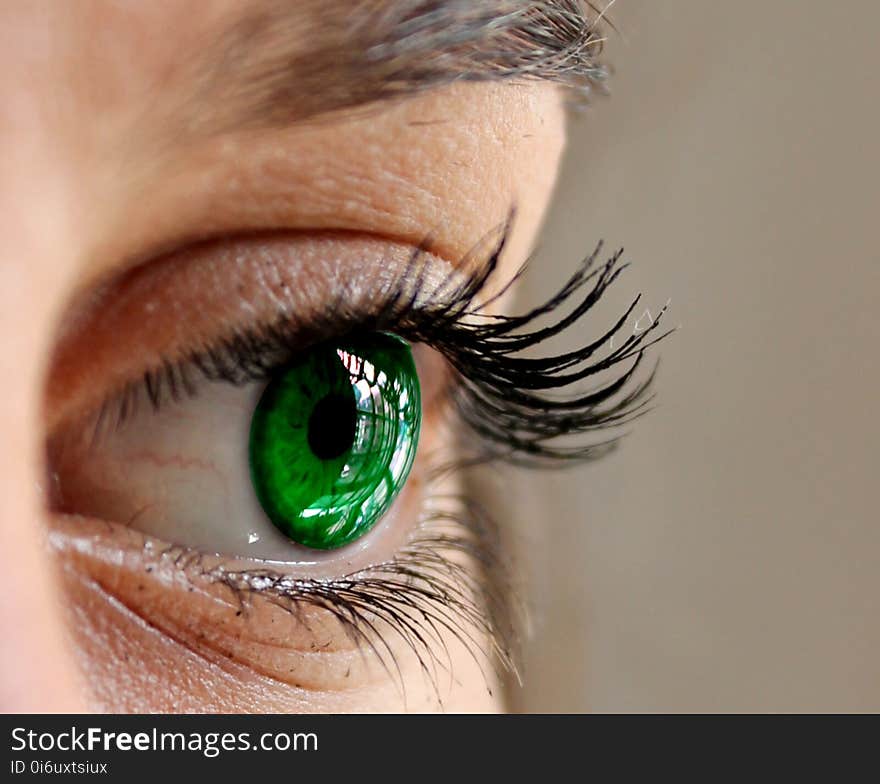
x=333 y=439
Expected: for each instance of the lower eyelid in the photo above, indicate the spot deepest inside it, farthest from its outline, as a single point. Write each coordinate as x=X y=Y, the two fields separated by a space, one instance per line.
x=451 y=586
x=168 y=589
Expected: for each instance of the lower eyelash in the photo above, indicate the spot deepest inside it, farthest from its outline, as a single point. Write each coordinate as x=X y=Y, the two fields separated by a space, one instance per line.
x=421 y=595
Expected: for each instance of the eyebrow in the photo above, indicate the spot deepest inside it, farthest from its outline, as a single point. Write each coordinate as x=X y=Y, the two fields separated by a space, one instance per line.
x=288 y=62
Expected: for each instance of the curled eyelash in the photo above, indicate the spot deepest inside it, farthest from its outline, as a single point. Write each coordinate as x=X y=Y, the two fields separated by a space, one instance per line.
x=506 y=399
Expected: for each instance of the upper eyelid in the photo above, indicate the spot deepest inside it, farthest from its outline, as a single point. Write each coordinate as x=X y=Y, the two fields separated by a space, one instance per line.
x=421 y=285
x=500 y=397
x=252 y=354
x=172 y=306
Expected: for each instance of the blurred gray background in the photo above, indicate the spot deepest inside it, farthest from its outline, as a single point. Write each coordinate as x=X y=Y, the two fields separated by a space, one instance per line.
x=727 y=557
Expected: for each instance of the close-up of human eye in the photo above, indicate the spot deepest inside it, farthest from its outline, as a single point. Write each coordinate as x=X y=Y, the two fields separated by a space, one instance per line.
x=290 y=476
x=284 y=335
x=430 y=357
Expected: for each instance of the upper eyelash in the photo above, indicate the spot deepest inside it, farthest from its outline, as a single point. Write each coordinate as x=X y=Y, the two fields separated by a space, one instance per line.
x=501 y=396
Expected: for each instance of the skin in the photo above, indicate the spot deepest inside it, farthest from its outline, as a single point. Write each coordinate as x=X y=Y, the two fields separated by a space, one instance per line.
x=92 y=187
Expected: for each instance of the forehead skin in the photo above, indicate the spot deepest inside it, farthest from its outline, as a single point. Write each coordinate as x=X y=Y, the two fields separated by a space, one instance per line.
x=104 y=167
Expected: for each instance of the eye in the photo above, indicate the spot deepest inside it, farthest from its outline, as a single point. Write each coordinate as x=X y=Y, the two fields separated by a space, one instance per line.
x=271 y=474
x=312 y=464
x=333 y=438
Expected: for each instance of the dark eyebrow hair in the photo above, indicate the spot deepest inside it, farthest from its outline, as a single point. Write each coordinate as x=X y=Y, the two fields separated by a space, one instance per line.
x=293 y=61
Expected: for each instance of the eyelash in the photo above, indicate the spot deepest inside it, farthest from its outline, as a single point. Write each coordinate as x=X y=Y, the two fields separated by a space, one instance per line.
x=502 y=399
x=422 y=591
x=497 y=394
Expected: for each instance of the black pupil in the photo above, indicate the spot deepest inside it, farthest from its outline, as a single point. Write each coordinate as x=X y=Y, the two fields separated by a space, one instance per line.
x=332 y=425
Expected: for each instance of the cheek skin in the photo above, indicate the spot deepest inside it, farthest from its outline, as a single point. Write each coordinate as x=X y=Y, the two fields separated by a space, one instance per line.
x=126 y=662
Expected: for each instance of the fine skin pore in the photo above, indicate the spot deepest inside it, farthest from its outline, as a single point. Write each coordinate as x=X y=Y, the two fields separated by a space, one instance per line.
x=98 y=178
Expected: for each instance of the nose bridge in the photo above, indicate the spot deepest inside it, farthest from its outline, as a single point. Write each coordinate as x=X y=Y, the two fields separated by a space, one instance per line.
x=37 y=249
